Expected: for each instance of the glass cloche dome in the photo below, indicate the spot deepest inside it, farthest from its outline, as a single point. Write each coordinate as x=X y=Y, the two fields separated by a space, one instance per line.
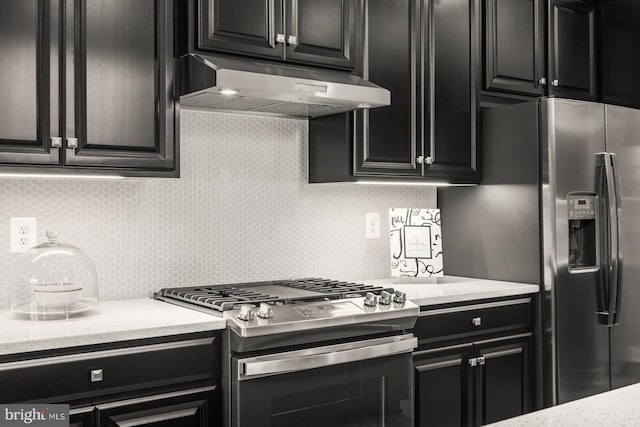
x=54 y=280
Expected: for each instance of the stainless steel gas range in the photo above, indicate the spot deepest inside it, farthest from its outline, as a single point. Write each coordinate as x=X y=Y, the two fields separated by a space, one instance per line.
x=311 y=352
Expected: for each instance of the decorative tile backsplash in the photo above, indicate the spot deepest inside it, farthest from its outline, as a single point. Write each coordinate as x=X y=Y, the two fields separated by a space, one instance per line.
x=241 y=211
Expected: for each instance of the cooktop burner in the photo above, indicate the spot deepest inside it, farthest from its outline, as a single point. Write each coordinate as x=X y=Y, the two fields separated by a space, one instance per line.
x=229 y=297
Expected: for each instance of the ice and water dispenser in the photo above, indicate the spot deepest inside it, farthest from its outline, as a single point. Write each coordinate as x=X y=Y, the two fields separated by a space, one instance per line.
x=582 y=215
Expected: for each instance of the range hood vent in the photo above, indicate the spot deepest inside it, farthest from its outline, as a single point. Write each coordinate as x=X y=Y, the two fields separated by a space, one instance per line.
x=284 y=90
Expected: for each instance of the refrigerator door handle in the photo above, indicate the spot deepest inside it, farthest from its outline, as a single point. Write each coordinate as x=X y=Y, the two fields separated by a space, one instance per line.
x=613 y=260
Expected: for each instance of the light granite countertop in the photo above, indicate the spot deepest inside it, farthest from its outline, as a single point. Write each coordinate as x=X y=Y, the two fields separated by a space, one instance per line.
x=613 y=408
x=119 y=320
x=122 y=320
x=452 y=289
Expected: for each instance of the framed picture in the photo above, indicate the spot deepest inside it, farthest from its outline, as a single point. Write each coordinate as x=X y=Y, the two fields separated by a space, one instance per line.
x=416 y=242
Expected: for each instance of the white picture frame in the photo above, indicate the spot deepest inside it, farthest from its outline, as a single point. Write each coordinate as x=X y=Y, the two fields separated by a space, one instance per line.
x=415 y=242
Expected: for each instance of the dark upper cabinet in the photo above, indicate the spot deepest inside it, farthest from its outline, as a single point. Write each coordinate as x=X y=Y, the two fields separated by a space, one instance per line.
x=451 y=154
x=618 y=43
x=304 y=31
x=29 y=113
x=247 y=27
x=90 y=86
x=389 y=139
x=423 y=53
x=537 y=48
x=514 y=50
x=572 y=61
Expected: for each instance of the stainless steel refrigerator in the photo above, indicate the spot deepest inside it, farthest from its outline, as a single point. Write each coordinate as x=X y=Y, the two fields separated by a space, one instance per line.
x=559 y=205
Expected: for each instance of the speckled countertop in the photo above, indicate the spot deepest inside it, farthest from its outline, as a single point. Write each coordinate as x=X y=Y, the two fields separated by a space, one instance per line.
x=614 y=408
x=123 y=320
x=116 y=321
x=450 y=289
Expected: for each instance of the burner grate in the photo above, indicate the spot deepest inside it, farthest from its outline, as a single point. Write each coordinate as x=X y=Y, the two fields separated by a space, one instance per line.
x=228 y=297
x=220 y=298
x=336 y=287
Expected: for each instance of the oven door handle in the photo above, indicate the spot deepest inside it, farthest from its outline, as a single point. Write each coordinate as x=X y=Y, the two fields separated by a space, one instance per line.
x=325 y=356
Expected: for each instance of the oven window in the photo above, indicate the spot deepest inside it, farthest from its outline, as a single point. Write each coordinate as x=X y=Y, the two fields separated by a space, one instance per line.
x=371 y=393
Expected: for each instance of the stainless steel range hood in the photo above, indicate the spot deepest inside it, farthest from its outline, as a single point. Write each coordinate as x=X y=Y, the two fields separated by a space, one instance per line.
x=267 y=88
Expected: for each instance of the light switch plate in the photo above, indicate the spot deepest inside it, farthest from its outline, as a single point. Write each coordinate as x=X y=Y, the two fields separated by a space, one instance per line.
x=23 y=234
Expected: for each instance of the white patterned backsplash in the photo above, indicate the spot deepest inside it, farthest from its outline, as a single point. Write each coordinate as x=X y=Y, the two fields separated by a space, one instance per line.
x=241 y=211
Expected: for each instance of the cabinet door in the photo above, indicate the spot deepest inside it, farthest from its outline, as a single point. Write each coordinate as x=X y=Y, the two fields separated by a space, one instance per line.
x=82 y=417
x=29 y=112
x=619 y=33
x=514 y=46
x=503 y=383
x=120 y=91
x=247 y=27
x=572 y=66
x=321 y=32
x=453 y=51
x=191 y=410
x=388 y=139
x=443 y=390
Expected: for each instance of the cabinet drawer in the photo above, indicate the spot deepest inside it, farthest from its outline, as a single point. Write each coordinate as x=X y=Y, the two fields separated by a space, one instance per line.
x=121 y=370
x=473 y=319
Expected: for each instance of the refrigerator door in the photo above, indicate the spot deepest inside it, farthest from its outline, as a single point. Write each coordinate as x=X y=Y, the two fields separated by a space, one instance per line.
x=623 y=139
x=572 y=133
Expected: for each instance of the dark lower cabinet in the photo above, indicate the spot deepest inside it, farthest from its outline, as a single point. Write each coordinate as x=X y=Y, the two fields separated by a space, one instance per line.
x=479 y=369
x=170 y=381
x=189 y=410
x=443 y=388
x=503 y=381
x=83 y=417
x=88 y=85
x=473 y=384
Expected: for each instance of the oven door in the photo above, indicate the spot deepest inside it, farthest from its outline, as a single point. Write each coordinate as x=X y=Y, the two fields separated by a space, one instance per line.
x=361 y=383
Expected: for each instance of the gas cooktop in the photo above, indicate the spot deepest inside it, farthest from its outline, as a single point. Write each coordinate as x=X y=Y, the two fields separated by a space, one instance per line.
x=291 y=312
x=280 y=292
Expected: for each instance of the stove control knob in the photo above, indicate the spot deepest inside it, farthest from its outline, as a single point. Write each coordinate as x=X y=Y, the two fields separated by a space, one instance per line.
x=400 y=297
x=370 y=300
x=245 y=313
x=264 y=311
x=385 y=298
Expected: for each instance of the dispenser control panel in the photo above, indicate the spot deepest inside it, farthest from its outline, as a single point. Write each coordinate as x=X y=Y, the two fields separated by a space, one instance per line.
x=581 y=207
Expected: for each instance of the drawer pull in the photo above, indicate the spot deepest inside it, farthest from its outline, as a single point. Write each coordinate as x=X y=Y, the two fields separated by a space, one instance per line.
x=476 y=321
x=477 y=361
x=96 y=375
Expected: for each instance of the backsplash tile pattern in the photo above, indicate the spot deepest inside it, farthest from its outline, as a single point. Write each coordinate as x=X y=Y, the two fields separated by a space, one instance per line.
x=241 y=211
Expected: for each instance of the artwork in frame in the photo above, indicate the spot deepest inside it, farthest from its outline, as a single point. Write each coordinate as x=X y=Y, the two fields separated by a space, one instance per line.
x=416 y=242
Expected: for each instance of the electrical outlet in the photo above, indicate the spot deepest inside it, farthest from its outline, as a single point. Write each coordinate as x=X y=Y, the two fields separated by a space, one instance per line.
x=372 y=224
x=23 y=232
